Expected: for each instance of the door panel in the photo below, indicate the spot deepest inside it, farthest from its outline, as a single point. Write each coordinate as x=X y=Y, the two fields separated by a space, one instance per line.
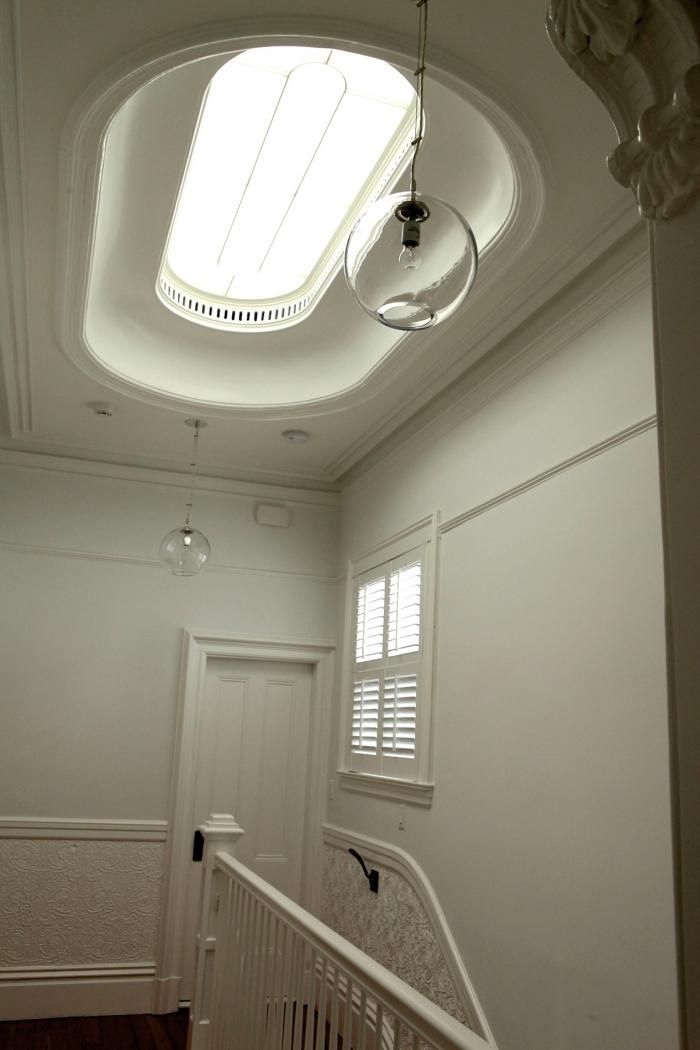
x=252 y=758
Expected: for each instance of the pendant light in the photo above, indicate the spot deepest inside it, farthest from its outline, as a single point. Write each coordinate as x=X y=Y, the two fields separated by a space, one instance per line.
x=411 y=259
x=186 y=550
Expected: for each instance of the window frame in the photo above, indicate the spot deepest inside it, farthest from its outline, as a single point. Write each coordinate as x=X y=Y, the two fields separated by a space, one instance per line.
x=381 y=775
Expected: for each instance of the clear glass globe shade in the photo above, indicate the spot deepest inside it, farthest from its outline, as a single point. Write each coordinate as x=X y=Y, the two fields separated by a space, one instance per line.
x=410 y=297
x=185 y=551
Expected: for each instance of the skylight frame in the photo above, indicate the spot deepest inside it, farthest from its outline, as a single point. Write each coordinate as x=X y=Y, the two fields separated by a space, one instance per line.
x=228 y=312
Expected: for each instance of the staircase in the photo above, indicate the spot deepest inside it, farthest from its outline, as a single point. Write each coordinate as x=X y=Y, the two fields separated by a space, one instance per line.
x=266 y=967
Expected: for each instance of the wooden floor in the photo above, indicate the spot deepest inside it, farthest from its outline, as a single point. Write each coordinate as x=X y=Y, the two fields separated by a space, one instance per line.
x=141 y=1032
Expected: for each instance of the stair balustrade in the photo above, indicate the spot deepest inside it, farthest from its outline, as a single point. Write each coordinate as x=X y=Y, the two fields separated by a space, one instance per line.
x=271 y=976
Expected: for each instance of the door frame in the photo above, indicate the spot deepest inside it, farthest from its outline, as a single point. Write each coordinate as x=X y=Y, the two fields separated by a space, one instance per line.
x=198 y=647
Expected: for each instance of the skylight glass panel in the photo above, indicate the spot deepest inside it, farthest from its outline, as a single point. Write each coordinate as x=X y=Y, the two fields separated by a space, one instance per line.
x=291 y=145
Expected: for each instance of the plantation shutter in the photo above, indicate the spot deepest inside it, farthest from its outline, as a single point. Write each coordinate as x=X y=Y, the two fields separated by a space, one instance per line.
x=386 y=680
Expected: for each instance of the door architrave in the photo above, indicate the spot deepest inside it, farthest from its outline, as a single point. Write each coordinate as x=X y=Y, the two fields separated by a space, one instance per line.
x=198 y=647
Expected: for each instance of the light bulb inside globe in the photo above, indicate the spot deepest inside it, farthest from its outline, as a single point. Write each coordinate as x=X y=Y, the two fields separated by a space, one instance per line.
x=409 y=297
x=185 y=551
x=410 y=258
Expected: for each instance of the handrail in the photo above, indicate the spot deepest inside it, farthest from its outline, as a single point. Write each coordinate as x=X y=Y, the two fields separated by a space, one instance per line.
x=427 y=1020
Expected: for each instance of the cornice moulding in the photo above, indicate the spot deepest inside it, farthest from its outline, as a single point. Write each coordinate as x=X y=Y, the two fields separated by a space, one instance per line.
x=156 y=476
x=621 y=274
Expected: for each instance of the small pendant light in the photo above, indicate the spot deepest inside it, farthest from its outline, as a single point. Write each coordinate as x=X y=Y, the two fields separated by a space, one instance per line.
x=411 y=259
x=186 y=550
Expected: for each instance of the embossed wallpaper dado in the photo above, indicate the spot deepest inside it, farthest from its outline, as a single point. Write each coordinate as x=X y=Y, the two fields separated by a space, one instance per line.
x=391 y=926
x=72 y=903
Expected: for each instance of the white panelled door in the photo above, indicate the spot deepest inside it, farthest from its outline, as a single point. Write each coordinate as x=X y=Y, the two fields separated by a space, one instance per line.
x=252 y=759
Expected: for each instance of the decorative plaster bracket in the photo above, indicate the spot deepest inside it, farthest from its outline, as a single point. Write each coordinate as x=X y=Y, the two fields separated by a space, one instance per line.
x=642 y=59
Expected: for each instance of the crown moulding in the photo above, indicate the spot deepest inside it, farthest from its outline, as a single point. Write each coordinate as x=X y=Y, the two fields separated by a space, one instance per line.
x=642 y=59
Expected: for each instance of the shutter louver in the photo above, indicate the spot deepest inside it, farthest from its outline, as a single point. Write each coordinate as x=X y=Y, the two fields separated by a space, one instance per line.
x=365 y=716
x=369 y=641
x=400 y=711
x=388 y=644
x=404 y=610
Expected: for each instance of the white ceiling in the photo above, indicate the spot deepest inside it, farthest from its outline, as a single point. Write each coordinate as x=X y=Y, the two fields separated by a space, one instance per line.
x=499 y=101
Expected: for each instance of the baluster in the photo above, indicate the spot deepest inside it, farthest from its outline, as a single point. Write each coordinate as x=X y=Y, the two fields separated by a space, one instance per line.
x=311 y=1003
x=259 y=1001
x=362 y=1021
x=378 y=1026
x=221 y=966
x=301 y=995
x=285 y=986
x=397 y=1032
x=322 y=999
x=274 y=993
x=348 y=1018
x=335 y=995
x=292 y=986
x=247 y=986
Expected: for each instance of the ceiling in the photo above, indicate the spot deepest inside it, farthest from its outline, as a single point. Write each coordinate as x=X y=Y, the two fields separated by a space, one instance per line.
x=515 y=142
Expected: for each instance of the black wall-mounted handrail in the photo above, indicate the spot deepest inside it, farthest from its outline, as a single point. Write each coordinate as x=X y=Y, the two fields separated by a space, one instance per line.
x=371 y=876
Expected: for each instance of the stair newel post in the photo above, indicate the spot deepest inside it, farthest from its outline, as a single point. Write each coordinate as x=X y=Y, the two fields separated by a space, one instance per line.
x=220 y=833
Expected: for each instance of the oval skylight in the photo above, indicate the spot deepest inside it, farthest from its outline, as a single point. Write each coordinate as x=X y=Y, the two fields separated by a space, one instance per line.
x=291 y=145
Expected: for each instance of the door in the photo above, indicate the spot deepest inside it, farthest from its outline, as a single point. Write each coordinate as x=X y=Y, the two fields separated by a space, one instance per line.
x=252 y=756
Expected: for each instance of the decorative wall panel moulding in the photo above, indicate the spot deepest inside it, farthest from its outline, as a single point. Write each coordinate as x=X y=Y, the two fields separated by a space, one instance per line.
x=154 y=563
x=78 y=829
x=67 y=902
x=403 y=927
x=641 y=59
x=641 y=427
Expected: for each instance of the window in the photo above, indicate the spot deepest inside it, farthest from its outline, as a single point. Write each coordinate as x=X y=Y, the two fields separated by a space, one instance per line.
x=291 y=145
x=388 y=664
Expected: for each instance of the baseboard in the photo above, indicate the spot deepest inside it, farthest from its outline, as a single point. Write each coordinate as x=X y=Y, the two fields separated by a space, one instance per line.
x=166 y=995
x=27 y=994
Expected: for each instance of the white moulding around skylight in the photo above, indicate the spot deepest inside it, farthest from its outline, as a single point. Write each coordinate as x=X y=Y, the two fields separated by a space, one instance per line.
x=291 y=145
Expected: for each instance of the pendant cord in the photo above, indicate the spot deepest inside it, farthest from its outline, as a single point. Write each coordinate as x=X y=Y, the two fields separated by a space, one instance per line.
x=193 y=468
x=422 y=6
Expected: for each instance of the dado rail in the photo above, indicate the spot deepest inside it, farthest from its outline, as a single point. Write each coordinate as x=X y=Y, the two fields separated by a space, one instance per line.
x=270 y=976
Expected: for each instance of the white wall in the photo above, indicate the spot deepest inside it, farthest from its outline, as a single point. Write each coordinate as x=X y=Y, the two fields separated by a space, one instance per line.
x=548 y=841
x=91 y=637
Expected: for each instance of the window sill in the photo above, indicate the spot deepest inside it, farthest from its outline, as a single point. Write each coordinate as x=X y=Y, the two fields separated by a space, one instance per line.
x=406 y=791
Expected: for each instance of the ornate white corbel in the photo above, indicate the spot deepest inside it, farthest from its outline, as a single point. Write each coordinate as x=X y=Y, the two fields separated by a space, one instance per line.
x=606 y=27
x=642 y=59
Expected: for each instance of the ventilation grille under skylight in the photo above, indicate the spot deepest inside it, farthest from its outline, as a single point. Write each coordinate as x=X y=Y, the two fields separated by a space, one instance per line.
x=292 y=144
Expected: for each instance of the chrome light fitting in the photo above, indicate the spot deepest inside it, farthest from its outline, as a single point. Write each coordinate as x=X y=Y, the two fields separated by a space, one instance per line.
x=186 y=550
x=411 y=259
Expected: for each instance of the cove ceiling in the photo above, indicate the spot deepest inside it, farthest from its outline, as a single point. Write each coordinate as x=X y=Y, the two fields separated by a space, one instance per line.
x=99 y=110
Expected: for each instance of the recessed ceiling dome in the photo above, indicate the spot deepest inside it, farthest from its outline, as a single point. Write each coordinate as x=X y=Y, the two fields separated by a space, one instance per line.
x=292 y=144
x=124 y=189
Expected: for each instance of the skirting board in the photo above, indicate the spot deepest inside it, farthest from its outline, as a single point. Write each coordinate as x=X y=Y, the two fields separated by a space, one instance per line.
x=76 y=993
